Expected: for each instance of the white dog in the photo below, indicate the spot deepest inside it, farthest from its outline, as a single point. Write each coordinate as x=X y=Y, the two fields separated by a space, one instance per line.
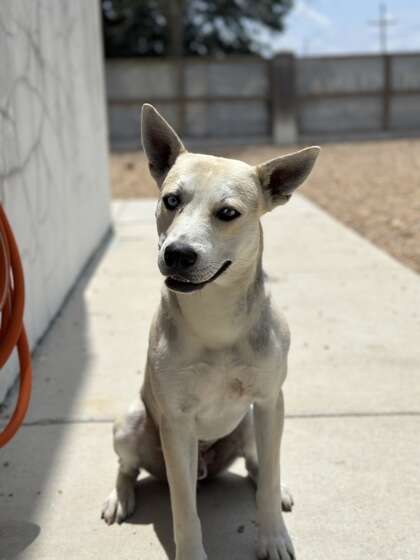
x=217 y=351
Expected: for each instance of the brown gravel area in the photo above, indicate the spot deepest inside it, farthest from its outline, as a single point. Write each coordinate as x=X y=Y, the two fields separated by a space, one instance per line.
x=373 y=187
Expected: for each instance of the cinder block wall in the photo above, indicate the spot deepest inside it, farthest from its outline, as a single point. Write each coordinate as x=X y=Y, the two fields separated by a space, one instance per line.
x=53 y=147
x=359 y=94
x=254 y=99
x=201 y=97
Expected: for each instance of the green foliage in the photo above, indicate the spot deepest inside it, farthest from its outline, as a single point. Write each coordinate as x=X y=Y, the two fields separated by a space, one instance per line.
x=204 y=27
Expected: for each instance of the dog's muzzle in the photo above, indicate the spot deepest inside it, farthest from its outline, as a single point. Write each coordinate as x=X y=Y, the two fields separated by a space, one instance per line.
x=184 y=285
x=179 y=260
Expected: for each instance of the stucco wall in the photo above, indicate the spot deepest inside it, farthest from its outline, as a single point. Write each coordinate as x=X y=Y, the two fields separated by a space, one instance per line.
x=53 y=148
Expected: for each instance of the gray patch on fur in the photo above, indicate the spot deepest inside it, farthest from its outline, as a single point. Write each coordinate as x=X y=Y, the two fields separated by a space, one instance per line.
x=172 y=330
x=255 y=289
x=257 y=286
x=169 y=322
x=259 y=335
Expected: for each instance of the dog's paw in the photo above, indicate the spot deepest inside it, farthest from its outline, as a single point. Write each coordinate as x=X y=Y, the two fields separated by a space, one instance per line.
x=118 y=507
x=278 y=547
x=287 y=501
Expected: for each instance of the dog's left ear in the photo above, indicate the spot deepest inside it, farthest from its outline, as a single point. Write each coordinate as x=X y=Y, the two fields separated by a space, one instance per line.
x=281 y=176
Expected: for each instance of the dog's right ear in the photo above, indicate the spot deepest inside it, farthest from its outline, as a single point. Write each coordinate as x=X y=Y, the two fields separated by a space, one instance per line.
x=160 y=142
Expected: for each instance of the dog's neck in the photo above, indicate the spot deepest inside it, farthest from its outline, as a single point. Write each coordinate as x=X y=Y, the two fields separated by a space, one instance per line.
x=220 y=314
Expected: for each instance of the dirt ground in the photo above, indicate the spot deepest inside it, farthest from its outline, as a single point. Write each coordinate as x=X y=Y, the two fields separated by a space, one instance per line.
x=372 y=187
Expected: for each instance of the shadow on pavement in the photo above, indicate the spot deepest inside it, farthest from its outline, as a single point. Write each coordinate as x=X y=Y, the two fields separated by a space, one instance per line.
x=226 y=507
x=18 y=491
x=15 y=536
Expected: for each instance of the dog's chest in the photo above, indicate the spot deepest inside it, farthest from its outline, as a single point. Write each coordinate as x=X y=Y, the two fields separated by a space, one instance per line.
x=216 y=389
x=217 y=392
x=224 y=377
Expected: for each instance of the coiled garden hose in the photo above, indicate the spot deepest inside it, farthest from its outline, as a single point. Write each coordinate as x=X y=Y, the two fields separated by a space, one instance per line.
x=12 y=331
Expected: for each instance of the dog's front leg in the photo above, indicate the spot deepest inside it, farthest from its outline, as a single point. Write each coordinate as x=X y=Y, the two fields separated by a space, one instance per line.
x=180 y=448
x=273 y=539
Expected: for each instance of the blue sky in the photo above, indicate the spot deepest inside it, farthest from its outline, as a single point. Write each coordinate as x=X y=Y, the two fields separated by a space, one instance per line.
x=340 y=26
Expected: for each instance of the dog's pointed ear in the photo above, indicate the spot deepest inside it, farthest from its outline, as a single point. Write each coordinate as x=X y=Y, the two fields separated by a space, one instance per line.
x=160 y=142
x=281 y=176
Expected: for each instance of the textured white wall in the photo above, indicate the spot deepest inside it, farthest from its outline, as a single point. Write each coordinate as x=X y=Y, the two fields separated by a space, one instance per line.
x=53 y=148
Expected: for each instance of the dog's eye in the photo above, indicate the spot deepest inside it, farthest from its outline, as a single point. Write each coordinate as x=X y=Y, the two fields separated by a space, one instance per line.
x=227 y=214
x=171 y=201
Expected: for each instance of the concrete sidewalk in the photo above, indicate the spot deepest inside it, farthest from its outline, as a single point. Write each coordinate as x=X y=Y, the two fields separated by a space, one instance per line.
x=351 y=452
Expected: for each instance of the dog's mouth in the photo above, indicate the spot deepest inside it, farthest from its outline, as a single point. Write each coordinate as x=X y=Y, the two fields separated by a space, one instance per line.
x=187 y=286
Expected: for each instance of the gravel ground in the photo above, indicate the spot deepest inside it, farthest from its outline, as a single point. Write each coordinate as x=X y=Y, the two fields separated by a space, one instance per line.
x=372 y=187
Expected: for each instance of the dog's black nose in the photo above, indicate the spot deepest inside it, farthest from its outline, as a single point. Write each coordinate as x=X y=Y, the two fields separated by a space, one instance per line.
x=179 y=256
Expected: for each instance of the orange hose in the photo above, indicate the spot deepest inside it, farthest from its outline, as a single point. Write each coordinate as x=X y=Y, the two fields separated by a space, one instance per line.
x=12 y=331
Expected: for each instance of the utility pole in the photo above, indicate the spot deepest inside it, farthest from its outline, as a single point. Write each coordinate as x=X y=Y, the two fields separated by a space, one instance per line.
x=383 y=23
x=174 y=11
